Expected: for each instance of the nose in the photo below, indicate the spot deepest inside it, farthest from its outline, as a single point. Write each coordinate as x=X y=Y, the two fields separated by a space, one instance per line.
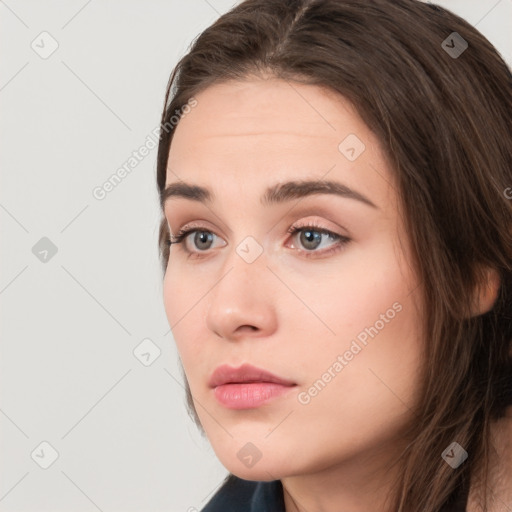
x=243 y=302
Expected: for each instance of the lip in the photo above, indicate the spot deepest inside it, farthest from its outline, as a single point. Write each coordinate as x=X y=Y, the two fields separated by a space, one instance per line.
x=246 y=373
x=247 y=387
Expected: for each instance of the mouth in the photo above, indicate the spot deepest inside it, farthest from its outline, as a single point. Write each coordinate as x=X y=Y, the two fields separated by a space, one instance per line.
x=249 y=395
x=246 y=373
x=247 y=387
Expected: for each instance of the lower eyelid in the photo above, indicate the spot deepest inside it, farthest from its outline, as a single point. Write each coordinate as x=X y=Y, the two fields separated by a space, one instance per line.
x=339 y=242
x=333 y=249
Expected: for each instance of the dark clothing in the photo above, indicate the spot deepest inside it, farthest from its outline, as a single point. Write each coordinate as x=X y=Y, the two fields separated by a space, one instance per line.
x=238 y=495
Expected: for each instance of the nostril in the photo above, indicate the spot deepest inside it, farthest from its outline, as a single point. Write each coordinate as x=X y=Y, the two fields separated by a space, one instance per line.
x=250 y=327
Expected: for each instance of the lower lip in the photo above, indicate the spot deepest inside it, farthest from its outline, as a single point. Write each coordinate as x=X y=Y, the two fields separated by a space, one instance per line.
x=248 y=395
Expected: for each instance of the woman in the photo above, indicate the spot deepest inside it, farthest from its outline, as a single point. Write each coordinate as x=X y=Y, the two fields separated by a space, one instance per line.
x=337 y=247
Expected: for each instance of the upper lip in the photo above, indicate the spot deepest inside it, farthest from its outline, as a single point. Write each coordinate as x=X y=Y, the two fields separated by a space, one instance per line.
x=225 y=374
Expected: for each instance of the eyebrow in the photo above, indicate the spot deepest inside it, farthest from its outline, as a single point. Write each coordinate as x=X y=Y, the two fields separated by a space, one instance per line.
x=275 y=194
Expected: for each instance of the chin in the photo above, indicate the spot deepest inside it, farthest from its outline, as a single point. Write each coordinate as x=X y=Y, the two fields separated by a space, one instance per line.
x=264 y=469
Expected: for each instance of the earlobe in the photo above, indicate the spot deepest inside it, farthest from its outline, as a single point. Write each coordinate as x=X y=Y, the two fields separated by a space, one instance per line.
x=486 y=293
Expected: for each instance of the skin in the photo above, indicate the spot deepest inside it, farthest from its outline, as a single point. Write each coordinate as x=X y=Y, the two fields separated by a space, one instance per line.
x=287 y=313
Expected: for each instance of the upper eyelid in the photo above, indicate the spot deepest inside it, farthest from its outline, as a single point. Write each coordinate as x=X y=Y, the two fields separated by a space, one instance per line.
x=202 y=225
x=187 y=230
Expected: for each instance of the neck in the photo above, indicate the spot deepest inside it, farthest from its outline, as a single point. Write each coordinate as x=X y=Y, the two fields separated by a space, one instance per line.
x=357 y=485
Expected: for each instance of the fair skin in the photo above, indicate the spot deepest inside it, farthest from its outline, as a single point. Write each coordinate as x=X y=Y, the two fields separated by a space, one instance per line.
x=288 y=313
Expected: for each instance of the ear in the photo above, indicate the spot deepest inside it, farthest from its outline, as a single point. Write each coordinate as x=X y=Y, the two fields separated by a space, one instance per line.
x=486 y=293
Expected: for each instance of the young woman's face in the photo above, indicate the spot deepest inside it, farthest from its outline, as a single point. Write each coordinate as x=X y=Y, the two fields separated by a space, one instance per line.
x=335 y=314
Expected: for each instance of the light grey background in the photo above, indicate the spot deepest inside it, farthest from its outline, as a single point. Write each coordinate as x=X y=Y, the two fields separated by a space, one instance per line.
x=71 y=323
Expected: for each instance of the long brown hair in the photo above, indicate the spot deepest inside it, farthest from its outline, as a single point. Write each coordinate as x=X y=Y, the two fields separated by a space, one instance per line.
x=444 y=122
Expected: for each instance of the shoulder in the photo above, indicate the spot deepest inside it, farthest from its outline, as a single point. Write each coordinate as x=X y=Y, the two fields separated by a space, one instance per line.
x=239 y=495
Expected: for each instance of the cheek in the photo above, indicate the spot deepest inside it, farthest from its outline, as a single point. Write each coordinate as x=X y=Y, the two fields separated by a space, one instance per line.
x=185 y=302
x=181 y=303
x=171 y=295
x=181 y=294
x=363 y=401
x=370 y=319
x=364 y=289
x=381 y=349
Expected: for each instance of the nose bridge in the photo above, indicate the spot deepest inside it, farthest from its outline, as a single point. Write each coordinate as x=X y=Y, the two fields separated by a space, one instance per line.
x=242 y=270
x=242 y=295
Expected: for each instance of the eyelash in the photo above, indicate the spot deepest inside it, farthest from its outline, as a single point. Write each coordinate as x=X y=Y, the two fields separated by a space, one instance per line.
x=342 y=240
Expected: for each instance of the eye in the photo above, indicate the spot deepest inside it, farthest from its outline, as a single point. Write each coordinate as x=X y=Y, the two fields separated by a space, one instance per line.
x=311 y=238
x=202 y=238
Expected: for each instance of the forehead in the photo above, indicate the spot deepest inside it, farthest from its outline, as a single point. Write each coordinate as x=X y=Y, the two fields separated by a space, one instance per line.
x=261 y=131
x=266 y=110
